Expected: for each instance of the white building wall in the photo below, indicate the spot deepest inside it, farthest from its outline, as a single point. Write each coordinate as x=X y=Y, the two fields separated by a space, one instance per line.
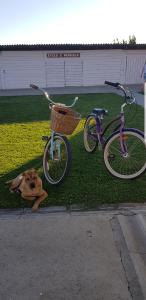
x=20 y=68
x=102 y=65
x=134 y=64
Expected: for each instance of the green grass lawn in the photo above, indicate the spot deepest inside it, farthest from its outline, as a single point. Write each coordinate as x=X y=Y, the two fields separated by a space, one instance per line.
x=24 y=120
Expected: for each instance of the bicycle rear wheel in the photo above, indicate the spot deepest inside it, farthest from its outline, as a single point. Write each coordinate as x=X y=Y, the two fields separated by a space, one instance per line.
x=90 y=136
x=132 y=163
x=57 y=163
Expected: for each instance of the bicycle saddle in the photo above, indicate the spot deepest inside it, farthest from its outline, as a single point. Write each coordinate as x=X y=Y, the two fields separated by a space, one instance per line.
x=100 y=111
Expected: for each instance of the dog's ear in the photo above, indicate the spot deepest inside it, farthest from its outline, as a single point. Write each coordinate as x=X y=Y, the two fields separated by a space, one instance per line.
x=14 y=183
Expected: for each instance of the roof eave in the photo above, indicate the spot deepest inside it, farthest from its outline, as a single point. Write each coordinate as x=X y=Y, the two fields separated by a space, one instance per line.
x=68 y=47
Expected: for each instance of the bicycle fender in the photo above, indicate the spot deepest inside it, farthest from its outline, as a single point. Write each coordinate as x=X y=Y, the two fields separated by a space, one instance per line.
x=125 y=129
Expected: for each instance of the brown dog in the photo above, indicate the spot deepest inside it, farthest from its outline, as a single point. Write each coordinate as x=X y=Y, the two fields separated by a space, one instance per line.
x=29 y=185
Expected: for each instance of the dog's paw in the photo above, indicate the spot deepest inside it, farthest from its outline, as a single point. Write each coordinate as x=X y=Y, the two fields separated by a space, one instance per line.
x=34 y=208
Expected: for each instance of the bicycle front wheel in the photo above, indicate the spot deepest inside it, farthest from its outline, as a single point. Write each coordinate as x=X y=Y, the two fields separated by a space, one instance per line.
x=130 y=164
x=90 y=135
x=57 y=160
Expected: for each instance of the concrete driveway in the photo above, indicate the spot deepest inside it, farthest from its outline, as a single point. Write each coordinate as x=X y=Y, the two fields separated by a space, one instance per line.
x=73 y=255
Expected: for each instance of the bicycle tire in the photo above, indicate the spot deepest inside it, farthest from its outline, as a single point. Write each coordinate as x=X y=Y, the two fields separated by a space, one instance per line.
x=134 y=141
x=89 y=136
x=50 y=166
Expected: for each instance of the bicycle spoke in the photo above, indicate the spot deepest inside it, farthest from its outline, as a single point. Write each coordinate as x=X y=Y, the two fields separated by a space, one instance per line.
x=56 y=167
x=117 y=150
x=130 y=164
x=132 y=147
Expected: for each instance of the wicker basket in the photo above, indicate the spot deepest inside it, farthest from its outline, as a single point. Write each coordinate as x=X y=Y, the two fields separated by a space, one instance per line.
x=63 y=119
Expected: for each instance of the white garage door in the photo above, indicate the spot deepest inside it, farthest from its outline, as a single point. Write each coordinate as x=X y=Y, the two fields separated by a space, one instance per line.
x=55 y=73
x=73 y=73
x=61 y=73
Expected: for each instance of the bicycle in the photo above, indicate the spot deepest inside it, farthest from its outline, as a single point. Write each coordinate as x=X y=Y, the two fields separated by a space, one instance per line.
x=57 y=155
x=124 y=151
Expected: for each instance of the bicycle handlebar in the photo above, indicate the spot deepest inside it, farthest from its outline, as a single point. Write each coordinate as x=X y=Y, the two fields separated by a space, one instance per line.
x=120 y=87
x=114 y=84
x=33 y=86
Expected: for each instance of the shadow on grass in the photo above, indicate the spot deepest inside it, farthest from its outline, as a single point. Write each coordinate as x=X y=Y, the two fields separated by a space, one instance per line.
x=89 y=184
x=23 y=109
x=36 y=108
x=28 y=108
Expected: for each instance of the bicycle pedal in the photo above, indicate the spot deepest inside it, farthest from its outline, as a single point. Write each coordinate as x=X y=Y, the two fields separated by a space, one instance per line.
x=45 y=138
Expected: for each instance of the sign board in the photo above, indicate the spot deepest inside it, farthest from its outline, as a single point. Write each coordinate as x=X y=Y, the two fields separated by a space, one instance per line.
x=64 y=55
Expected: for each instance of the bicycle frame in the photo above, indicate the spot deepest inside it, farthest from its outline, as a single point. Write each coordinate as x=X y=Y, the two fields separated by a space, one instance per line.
x=100 y=132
